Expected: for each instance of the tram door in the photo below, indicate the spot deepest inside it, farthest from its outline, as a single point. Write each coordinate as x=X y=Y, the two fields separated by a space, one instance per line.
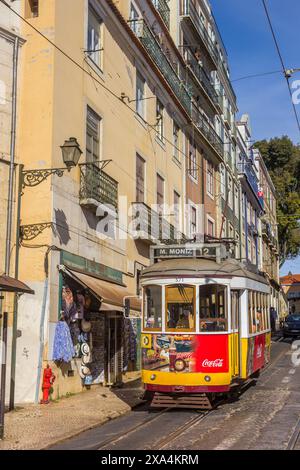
x=235 y=311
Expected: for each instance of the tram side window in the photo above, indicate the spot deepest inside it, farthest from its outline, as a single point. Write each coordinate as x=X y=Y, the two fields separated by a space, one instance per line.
x=153 y=307
x=251 y=311
x=180 y=308
x=213 y=308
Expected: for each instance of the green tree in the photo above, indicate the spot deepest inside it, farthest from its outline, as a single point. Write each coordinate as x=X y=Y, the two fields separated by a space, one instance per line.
x=282 y=159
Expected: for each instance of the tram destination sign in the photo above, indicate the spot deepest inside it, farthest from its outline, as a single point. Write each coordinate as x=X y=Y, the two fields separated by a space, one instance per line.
x=211 y=251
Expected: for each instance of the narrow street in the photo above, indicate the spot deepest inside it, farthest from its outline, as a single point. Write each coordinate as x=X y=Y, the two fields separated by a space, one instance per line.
x=266 y=416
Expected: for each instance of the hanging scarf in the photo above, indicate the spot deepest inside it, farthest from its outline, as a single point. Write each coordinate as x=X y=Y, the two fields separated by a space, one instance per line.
x=63 y=349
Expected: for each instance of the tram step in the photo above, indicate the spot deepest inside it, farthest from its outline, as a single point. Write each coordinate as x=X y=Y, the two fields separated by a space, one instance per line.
x=199 y=401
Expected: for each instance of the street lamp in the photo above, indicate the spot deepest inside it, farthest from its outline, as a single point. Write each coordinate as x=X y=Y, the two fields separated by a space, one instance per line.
x=71 y=153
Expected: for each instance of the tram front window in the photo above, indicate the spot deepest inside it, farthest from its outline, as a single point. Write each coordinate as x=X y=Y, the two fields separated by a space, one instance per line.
x=152 y=307
x=213 y=308
x=180 y=308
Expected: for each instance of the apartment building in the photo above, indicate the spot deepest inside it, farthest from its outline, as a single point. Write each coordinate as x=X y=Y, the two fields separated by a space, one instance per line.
x=252 y=201
x=269 y=247
x=139 y=92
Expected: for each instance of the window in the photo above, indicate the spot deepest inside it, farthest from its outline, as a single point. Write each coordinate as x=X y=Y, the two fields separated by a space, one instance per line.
x=180 y=308
x=140 y=179
x=32 y=8
x=177 y=210
x=133 y=17
x=210 y=228
x=230 y=192
x=193 y=221
x=94 y=40
x=209 y=178
x=234 y=310
x=160 y=183
x=213 y=308
x=176 y=143
x=92 y=136
x=223 y=180
x=159 y=120
x=236 y=201
x=192 y=161
x=140 y=95
x=152 y=307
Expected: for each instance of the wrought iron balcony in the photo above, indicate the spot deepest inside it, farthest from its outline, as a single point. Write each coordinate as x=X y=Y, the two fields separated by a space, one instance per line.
x=245 y=168
x=207 y=130
x=97 y=187
x=152 y=46
x=188 y=10
x=164 y=11
x=150 y=226
x=200 y=74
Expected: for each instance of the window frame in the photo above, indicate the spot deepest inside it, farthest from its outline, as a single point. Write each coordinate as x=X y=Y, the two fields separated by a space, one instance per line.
x=94 y=136
x=162 y=290
x=96 y=56
x=201 y=319
x=140 y=107
x=180 y=330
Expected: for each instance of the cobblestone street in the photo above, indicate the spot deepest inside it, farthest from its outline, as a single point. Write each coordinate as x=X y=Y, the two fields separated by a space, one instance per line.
x=265 y=416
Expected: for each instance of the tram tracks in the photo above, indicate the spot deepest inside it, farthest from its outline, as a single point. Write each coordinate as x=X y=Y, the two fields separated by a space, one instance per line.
x=295 y=438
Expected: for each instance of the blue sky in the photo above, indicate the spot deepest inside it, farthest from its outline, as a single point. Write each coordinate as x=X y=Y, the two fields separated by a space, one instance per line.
x=251 y=50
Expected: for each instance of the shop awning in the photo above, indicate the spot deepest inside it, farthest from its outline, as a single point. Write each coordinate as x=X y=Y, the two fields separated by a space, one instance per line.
x=111 y=295
x=9 y=284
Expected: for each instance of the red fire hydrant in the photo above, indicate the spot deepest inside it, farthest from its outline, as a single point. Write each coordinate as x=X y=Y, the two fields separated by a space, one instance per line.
x=48 y=380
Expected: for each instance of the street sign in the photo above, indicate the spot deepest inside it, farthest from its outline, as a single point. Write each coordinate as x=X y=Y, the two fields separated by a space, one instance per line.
x=214 y=251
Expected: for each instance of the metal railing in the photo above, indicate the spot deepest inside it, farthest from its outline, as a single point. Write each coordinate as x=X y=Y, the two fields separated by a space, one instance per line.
x=97 y=185
x=207 y=130
x=153 y=47
x=188 y=9
x=151 y=226
x=245 y=168
x=164 y=11
x=200 y=73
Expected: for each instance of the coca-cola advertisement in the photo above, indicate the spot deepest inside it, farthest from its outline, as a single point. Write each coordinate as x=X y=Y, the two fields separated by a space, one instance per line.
x=211 y=353
x=259 y=352
x=187 y=353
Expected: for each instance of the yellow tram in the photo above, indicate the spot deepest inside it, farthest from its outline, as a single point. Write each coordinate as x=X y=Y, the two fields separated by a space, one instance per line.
x=206 y=327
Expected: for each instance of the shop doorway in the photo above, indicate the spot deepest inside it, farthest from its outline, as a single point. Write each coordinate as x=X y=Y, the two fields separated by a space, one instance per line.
x=114 y=349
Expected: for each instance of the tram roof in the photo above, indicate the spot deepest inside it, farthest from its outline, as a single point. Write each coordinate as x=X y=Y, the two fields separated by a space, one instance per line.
x=199 y=267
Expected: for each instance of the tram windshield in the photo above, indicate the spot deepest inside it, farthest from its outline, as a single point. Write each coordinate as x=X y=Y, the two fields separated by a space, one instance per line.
x=153 y=307
x=180 y=308
x=213 y=308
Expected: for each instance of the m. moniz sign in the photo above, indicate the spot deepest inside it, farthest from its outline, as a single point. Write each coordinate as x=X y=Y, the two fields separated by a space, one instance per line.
x=211 y=251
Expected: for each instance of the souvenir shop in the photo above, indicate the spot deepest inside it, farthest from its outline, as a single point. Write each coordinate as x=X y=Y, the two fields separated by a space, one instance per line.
x=93 y=329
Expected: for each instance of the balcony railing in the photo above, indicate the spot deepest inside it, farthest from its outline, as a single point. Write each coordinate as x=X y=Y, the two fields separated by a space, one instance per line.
x=97 y=187
x=200 y=74
x=151 y=44
x=228 y=158
x=245 y=168
x=207 y=130
x=164 y=11
x=151 y=227
x=188 y=9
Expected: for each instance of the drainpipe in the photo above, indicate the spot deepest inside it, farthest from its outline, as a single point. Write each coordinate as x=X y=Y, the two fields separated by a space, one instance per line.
x=12 y=158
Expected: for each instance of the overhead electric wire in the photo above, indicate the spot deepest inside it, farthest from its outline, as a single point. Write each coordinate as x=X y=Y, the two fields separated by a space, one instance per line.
x=284 y=70
x=263 y=74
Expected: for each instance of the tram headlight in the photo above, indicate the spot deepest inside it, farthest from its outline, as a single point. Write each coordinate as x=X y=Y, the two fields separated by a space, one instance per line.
x=207 y=378
x=153 y=377
x=179 y=365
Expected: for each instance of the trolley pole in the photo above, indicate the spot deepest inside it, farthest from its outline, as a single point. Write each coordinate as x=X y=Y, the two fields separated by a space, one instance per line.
x=3 y=374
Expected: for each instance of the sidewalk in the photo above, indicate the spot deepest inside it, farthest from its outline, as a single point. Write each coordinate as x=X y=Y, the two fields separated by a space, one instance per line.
x=39 y=426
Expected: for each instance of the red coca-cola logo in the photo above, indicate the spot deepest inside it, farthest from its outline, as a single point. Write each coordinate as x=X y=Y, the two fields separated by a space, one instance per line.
x=215 y=363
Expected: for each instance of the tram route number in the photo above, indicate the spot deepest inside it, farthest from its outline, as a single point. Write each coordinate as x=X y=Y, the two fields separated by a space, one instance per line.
x=185 y=252
x=150 y=459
